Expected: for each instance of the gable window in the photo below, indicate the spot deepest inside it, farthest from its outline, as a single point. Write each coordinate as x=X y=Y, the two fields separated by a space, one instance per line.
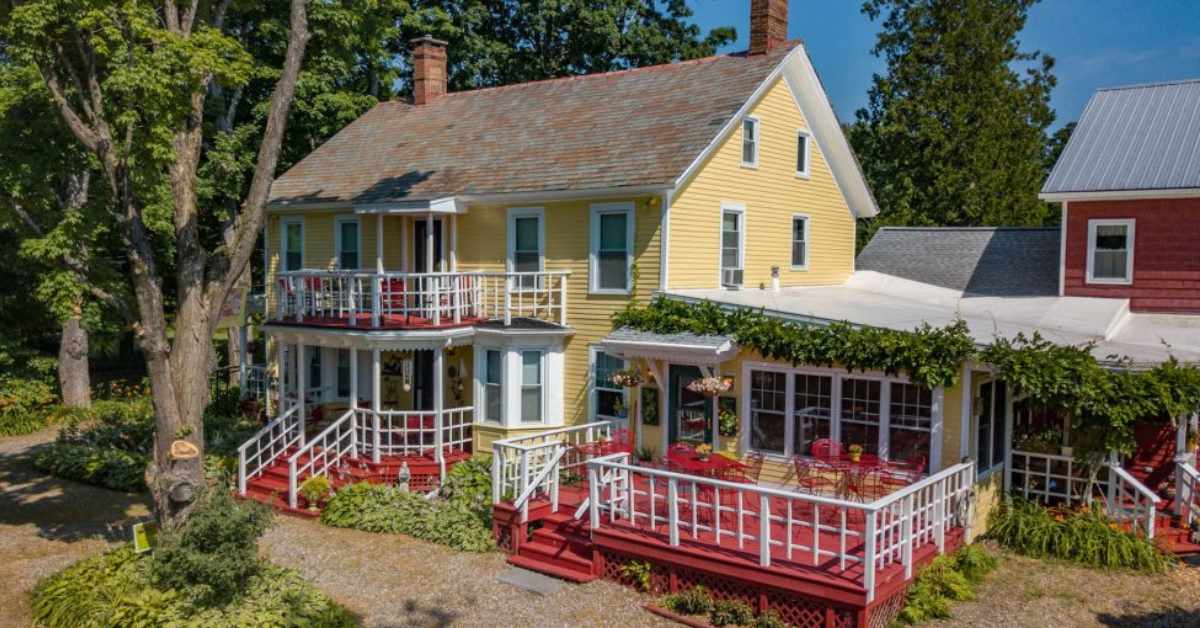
x=799 y=242
x=732 y=233
x=1110 y=251
x=612 y=248
x=293 y=245
x=609 y=403
x=750 y=142
x=526 y=245
x=343 y=373
x=531 y=386
x=493 y=385
x=349 y=243
x=803 y=155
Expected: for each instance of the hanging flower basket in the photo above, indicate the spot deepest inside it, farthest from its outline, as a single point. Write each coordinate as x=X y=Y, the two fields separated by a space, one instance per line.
x=626 y=378
x=710 y=386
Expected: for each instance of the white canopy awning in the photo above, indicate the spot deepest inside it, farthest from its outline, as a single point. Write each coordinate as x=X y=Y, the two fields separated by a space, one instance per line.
x=682 y=348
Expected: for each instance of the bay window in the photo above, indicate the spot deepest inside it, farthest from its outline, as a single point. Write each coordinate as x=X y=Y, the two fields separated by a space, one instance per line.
x=531 y=386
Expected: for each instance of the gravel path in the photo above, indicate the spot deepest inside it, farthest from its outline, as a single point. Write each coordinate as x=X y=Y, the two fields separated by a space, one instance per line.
x=47 y=523
x=399 y=581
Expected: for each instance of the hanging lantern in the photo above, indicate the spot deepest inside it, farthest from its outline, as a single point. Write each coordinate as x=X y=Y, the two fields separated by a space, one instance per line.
x=406 y=371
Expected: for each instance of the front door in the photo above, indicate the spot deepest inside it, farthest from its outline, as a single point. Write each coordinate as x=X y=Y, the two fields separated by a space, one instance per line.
x=420 y=246
x=423 y=380
x=690 y=412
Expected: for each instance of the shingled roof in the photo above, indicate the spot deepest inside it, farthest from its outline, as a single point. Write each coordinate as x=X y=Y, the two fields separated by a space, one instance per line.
x=634 y=128
x=1141 y=137
x=992 y=261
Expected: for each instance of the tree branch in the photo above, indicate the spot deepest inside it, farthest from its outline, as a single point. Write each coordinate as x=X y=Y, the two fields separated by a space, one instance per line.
x=87 y=135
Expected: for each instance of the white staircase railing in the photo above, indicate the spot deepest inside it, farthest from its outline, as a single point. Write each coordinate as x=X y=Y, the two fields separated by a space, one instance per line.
x=269 y=443
x=1187 y=492
x=518 y=461
x=784 y=524
x=547 y=480
x=323 y=452
x=1130 y=500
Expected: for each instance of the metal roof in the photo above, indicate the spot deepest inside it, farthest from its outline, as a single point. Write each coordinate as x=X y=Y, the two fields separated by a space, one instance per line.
x=994 y=261
x=1140 y=137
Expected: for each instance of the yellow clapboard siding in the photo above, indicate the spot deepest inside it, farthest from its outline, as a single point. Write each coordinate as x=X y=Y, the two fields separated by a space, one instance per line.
x=771 y=193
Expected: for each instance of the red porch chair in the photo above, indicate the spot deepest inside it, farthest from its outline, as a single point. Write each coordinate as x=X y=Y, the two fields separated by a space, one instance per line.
x=749 y=472
x=826 y=449
x=815 y=476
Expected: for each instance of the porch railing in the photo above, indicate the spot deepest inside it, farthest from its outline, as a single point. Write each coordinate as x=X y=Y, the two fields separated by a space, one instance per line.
x=518 y=461
x=1187 y=490
x=780 y=524
x=370 y=299
x=323 y=452
x=413 y=432
x=257 y=453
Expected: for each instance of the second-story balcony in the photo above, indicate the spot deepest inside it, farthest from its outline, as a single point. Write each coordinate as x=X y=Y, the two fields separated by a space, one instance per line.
x=401 y=300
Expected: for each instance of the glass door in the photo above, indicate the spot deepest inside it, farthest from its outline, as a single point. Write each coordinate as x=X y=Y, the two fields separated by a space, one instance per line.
x=691 y=412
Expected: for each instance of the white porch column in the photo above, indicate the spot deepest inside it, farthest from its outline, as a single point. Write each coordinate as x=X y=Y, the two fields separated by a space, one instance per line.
x=964 y=419
x=379 y=243
x=1182 y=456
x=453 y=243
x=353 y=378
x=301 y=387
x=429 y=243
x=280 y=373
x=376 y=401
x=439 y=360
x=243 y=370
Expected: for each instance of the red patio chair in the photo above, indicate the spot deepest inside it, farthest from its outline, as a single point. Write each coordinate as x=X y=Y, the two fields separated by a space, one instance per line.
x=914 y=466
x=814 y=476
x=749 y=472
x=826 y=449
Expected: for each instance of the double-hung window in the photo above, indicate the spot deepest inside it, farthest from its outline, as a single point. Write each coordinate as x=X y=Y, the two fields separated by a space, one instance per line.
x=990 y=436
x=803 y=142
x=612 y=248
x=349 y=243
x=526 y=245
x=750 y=142
x=1110 y=251
x=610 y=399
x=343 y=373
x=860 y=413
x=293 y=245
x=531 y=386
x=768 y=411
x=732 y=232
x=493 y=385
x=910 y=422
x=812 y=410
x=799 y=242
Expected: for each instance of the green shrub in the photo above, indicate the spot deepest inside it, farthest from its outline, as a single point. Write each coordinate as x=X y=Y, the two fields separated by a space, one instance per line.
x=469 y=483
x=216 y=551
x=24 y=395
x=116 y=589
x=18 y=423
x=947 y=579
x=769 y=619
x=385 y=509
x=1085 y=536
x=730 y=613
x=314 y=489
x=638 y=572
x=693 y=601
x=103 y=466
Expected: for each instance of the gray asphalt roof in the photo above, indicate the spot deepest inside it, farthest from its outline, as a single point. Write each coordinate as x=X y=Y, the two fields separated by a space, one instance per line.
x=991 y=261
x=1141 y=137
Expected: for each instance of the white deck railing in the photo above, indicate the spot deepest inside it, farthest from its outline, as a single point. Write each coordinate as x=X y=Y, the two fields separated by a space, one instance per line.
x=1187 y=492
x=1130 y=500
x=269 y=443
x=323 y=452
x=414 y=432
x=517 y=461
x=375 y=299
x=800 y=526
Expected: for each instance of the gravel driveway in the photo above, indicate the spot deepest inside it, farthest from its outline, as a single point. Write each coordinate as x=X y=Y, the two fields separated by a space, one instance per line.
x=47 y=523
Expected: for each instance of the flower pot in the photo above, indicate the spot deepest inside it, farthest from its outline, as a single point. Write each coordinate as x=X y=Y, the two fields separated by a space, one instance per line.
x=703 y=457
x=855 y=456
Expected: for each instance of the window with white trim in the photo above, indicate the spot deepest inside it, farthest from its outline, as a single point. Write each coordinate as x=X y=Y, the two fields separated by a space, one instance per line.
x=731 y=247
x=610 y=402
x=611 y=248
x=910 y=421
x=293 y=245
x=812 y=410
x=750 y=142
x=799 y=242
x=803 y=153
x=860 y=414
x=349 y=243
x=768 y=411
x=990 y=437
x=493 y=386
x=1110 y=251
x=526 y=244
x=343 y=373
x=531 y=386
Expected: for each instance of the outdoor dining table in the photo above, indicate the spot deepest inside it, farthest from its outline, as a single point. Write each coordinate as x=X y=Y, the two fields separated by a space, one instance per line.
x=854 y=472
x=713 y=466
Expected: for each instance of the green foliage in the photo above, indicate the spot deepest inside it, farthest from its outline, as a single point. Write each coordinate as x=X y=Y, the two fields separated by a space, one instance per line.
x=639 y=572
x=730 y=613
x=386 y=509
x=314 y=489
x=116 y=589
x=693 y=601
x=216 y=551
x=769 y=619
x=955 y=129
x=469 y=484
x=928 y=355
x=1086 y=536
x=117 y=469
x=947 y=579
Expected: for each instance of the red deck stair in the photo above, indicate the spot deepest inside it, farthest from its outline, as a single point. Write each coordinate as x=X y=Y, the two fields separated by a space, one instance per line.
x=559 y=544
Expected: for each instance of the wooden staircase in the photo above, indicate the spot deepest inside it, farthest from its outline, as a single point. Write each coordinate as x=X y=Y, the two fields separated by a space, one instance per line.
x=1172 y=536
x=559 y=545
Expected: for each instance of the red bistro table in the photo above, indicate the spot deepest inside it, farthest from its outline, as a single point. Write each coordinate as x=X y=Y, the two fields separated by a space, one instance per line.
x=855 y=472
x=716 y=465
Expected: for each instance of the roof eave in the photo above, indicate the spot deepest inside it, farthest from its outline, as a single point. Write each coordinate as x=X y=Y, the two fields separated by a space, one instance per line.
x=1116 y=195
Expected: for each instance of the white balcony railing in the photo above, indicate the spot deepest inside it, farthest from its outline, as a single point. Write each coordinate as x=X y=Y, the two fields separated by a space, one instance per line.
x=517 y=462
x=1187 y=492
x=394 y=299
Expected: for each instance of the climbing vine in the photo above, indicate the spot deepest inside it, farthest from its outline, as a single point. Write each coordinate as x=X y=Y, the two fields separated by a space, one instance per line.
x=1104 y=401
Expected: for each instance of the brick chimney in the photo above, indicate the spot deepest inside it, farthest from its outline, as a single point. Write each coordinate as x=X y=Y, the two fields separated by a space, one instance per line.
x=429 y=69
x=768 y=25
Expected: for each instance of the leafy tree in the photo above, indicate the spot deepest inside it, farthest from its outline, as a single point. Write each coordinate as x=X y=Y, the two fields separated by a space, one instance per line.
x=131 y=80
x=953 y=133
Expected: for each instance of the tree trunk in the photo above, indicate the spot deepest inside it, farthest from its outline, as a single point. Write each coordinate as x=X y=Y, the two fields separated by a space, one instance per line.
x=73 y=378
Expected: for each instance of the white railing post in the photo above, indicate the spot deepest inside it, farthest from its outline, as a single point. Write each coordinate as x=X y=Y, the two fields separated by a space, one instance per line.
x=939 y=514
x=593 y=497
x=497 y=474
x=511 y=284
x=242 y=470
x=523 y=479
x=299 y=289
x=869 y=559
x=673 y=511
x=353 y=431
x=376 y=299
x=376 y=453
x=764 y=530
x=562 y=300
x=292 y=483
x=906 y=535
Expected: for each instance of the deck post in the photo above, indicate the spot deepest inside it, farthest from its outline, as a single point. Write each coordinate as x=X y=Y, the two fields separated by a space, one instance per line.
x=673 y=511
x=594 y=497
x=242 y=470
x=301 y=386
x=497 y=474
x=869 y=556
x=439 y=358
x=562 y=300
x=509 y=286
x=906 y=534
x=376 y=402
x=292 y=483
x=764 y=530
x=1181 y=457
x=939 y=514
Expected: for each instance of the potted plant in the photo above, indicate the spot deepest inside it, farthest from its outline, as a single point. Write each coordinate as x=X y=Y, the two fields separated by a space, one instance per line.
x=313 y=490
x=710 y=386
x=855 y=452
x=727 y=423
x=703 y=451
x=626 y=378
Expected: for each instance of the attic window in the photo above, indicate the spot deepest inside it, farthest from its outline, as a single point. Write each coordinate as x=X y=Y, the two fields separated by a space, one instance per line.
x=750 y=142
x=802 y=153
x=1110 y=251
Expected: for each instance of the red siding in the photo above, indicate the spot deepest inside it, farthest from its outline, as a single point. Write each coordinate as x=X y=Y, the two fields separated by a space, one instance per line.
x=1166 y=254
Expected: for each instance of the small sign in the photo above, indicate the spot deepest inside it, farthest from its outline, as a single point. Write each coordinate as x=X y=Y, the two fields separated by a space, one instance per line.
x=145 y=536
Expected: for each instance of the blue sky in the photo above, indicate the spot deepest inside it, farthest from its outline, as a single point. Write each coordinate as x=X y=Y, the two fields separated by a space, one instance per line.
x=1096 y=43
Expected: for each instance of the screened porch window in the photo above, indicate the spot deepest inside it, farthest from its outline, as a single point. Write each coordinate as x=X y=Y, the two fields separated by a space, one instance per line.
x=860 y=414
x=813 y=410
x=910 y=422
